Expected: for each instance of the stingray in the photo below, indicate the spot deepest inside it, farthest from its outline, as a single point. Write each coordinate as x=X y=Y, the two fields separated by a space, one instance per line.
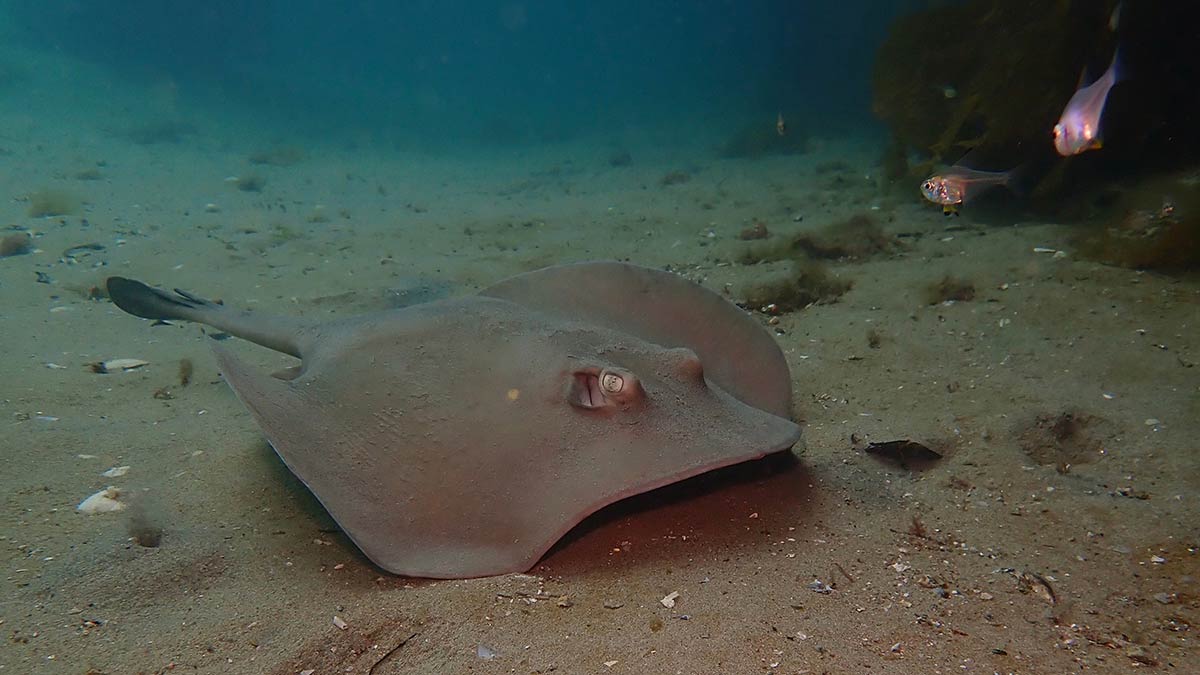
x=464 y=437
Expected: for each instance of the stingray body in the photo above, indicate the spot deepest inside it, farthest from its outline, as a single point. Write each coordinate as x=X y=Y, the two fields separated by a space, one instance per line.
x=463 y=437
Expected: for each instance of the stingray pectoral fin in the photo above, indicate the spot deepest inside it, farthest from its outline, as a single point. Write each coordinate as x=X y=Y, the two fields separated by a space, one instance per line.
x=300 y=427
x=350 y=457
x=674 y=442
x=283 y=334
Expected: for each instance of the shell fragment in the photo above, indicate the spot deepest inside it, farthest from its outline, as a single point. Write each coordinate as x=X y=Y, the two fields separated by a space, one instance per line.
x=117 y=365
x=104 y=501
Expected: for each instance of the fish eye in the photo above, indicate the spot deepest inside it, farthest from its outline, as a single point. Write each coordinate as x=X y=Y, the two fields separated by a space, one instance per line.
x=927 y=185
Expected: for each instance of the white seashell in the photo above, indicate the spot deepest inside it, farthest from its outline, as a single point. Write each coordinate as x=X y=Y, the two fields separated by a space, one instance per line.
x=116 y=472
x=120 y=365
x=104 y=501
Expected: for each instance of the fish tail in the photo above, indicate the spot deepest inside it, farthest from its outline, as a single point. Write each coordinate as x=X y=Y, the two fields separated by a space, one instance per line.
x=282 y=334
x=1015 y=180
x=1117 y=67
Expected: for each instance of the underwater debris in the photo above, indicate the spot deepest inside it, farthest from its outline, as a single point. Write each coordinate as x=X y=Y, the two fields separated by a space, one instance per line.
x=76 y=253
x=917 y=528
x=856 y=238
x=248 y=183
x=18 y=243
x=904 y=452
x=116 y=365
x=756 y=139
x=52 y=202
x=833 y=166
x=318 y=214
x=1032 y=583
x=95 y=293
x=674 y=178
x=279 y=155
x=949 y=289
x=142 y=526
x=186 y=369
x=1062 y=440
x=620 y=158
x=894 y=162
x=1156 y=226
x=107 y=500
x=161 y=131
x=808 y=282
x=756 y=230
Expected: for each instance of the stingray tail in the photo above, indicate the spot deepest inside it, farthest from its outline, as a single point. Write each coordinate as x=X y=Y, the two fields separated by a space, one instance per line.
x=138 y=299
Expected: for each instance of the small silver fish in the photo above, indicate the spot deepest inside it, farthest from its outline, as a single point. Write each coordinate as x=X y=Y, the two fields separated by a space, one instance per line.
x=1078 y=129
x=955 y=186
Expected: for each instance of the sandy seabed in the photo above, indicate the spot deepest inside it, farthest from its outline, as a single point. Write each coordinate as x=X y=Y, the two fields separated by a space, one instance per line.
x=1056 y=535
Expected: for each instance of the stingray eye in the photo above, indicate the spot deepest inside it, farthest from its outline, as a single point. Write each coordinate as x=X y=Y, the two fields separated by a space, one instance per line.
x=611 y=382
x=595 y=388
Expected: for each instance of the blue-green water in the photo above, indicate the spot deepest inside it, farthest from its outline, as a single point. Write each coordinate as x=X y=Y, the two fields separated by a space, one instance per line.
x=496 y=72
x=1029 y=364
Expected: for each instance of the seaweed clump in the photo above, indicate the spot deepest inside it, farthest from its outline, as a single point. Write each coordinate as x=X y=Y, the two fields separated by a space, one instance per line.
x=52 y=202
x=17 y=243
x=858 y=237
x=250 y=183
x=949 y=289
x=1156 y=226
x=943 y=95
x=807 y=283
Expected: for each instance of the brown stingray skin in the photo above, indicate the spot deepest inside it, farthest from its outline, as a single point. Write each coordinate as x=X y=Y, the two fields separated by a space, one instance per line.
x=463 y=437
